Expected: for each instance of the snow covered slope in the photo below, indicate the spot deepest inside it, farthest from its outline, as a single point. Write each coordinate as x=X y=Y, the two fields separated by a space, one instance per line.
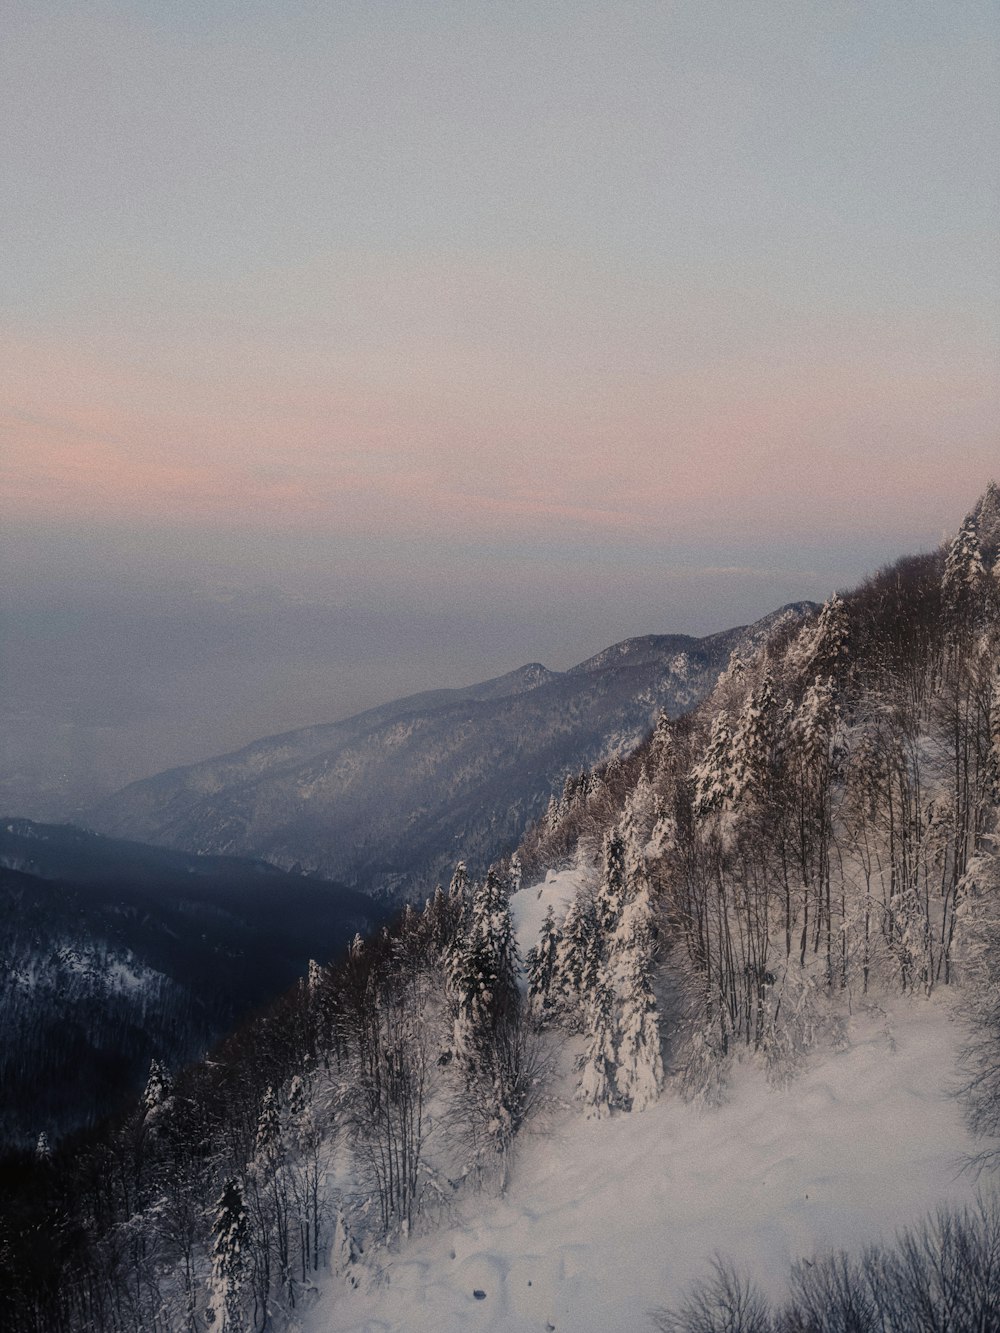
x=605 y=1220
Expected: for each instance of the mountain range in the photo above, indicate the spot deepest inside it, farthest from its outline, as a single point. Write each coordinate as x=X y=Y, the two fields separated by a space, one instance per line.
x=387 y=801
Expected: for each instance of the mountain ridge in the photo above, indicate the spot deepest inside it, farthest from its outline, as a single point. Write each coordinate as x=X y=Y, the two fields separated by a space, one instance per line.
x=382 y=800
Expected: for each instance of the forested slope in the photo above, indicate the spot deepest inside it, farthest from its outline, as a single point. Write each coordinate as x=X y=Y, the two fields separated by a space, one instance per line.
x=113 y=953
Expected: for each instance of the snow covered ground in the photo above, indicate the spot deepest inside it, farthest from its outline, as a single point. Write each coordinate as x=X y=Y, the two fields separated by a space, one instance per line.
x=605 y=1220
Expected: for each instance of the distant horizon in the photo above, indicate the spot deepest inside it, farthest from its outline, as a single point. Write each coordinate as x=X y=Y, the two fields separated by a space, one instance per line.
x=351 y=350
x=179 y=725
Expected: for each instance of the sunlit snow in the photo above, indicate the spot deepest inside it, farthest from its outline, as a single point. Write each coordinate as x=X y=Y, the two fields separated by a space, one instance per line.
x=605 y=1220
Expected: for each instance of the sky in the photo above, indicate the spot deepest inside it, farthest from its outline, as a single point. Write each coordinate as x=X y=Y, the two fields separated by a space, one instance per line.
x=348 y=349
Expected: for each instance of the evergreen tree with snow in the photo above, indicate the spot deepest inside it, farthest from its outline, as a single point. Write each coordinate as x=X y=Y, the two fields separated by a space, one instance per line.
x=597 y=1075
x=230 y=1258
x=712 y=775
x=987 y=516
x=43 y=1153
x=639 y=1062
x=552 y=815
x=458 y=896
x=812 y=726
x=437 y=923
x=611 y=894
x=577 y=958
x=963 y=582
x=268 y=1130
x=484 y=967
x=541 y=968
x=831 y=650
x=823 y=647
x=516 y=874
x=752 y=745
x=157 y=1088
x=661 y=750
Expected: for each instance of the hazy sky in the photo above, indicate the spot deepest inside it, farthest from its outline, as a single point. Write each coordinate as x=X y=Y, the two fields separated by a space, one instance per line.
x=353 y=347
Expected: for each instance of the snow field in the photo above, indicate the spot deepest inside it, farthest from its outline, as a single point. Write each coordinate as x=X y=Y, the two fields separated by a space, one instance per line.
x=605 y=1220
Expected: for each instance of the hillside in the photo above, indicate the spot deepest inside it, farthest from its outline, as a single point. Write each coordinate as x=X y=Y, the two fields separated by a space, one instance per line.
x=113 y=953
x=604 y=1221
x=386 y=800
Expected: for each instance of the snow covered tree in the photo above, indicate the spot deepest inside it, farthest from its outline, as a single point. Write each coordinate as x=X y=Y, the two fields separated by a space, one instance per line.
x=516 y=874
x=268 y=1130
x=43 y=1153
x=552 y=815
x=157 y=1088
x=541 y=969
x=831 y=650
x=597 y=1076
x=987 y=516
x=491 y=1041
x=484 y=967
x=822 y=648
x=963 y=583
x=713 y=779
x=459 y=887
x=611 y=893
x=752 y=743
x=576 y=959
x=662 y=748
x=639 y=1062
x=963 y=565
x=230 y=1259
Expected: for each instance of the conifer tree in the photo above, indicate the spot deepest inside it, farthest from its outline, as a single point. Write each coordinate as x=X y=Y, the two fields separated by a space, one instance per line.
x=437 y=919
x=230 y=1258
x=268 y=1129
x=987 y=516
x=484 y=967
x=575 y=953
x=752 y=744
x=541 y=969
x=458 y=897
x=611 y=894
x=712 y=775
x=639 y=1062
x=661 y=748
x=963 y=581
x=157 y=1088
x=552 y=815
x=822 y=648
x=597 y=1077
x=516 y=874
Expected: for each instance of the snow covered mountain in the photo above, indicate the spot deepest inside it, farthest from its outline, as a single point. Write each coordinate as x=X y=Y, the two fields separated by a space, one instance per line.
x=388 y=800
